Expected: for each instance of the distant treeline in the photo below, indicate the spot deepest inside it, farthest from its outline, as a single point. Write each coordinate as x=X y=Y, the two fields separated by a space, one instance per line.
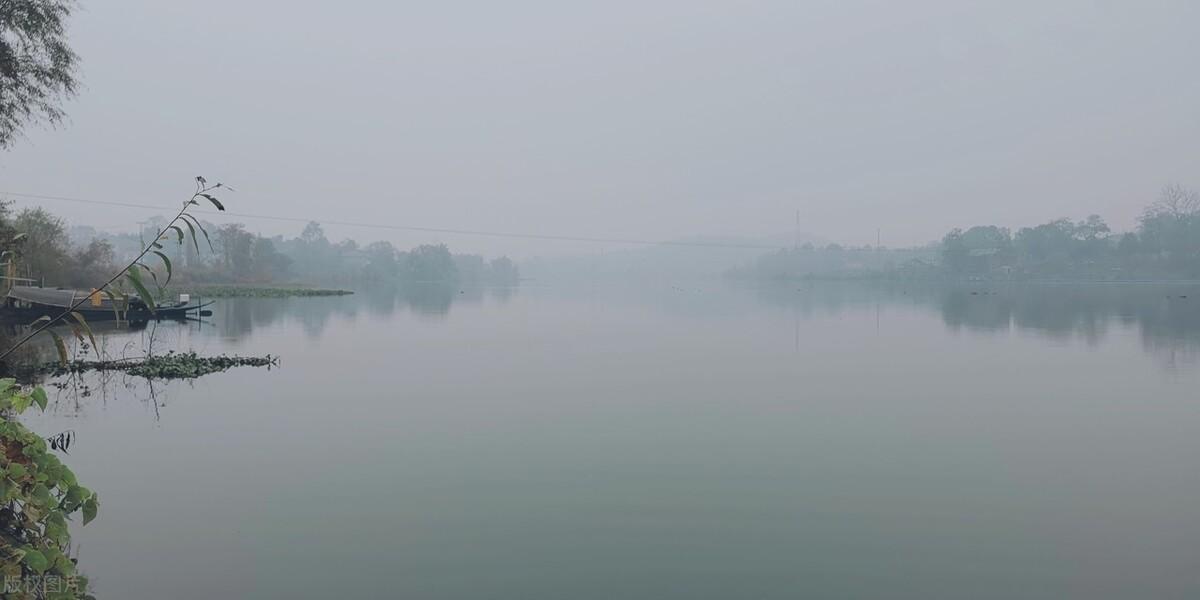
x=47 y=250
x=835 y=262
x=1164 y=246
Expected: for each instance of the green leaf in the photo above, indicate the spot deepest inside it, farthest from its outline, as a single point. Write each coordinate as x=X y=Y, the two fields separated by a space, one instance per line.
x=143 y=293
x=90 y=507
x=87 y=329
x=75 y=497
x=64 y=565
x=56 y=517
x=20 y=402
x=57 y=533
x=167 y=262
x=6 y=384
x=178 y=233
x=220 y=207
x=52 y=555
x=67 y=479
x=39 y=396
x=52 y=473
x=34 y=445
x=192 y=230
x=17 y=471
x=40 y=495
x=78 y=334
x=153 y=275
x=118 y=300
x=35 y=560
x=196 y=221
x=61 y=346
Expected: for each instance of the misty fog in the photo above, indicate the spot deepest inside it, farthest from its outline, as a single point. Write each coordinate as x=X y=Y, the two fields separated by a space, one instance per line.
x=647 y=121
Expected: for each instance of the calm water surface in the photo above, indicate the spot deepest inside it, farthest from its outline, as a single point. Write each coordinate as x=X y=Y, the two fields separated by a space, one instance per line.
x=665 y=441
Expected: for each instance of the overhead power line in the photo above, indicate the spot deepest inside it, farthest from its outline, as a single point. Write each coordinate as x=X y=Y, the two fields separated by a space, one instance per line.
x=477 y=232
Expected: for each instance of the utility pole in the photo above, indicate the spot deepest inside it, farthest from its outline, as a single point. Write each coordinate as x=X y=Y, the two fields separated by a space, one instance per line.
x=797 y=242
x=142 y=232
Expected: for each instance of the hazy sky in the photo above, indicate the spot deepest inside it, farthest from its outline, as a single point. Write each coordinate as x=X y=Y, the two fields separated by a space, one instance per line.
x=648 y=119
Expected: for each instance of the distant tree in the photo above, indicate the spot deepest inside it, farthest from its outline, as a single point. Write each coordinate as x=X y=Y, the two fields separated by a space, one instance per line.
x=429 y=263
x=89 y=261
x=381 y=263
x=313 y=234
x=44 y=252
x=268 y=263
x=1091 y=240
x=236 y=247
x=954 y=252
x=1170 y=226
x=37 y=67
x=1092 y=228
x=315 y=259
x=503 y=271
x=8 y=230
x=1129 y=245
x=1176 y=202
x=986 y=237
x=1045 y=241
x=471 y=268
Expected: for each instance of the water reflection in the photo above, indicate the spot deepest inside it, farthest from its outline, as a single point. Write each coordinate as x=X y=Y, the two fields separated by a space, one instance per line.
x=235 y=320
x=1166 y=316
x=602 y=403
x=75 y=393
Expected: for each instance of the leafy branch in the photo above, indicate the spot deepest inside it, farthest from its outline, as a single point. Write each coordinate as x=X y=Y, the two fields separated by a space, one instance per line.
x=132 y=273
x=38 y=495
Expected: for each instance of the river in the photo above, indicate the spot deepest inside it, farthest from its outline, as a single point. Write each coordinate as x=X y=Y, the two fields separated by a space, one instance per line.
x=689 y=440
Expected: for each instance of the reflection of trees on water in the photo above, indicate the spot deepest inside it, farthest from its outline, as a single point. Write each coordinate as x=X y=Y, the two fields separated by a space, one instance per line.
x=1171 y=329
x=434 y=299
x=502 y=294
x=1167 y=316
x=1057 y=312
x=117 y=340
x=1169 y=325
x=807 y=298
x=75 y=394
x=235 y=318
x=75 y=391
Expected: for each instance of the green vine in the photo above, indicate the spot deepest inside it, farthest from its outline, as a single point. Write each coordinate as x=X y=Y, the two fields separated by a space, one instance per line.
x=38 y=496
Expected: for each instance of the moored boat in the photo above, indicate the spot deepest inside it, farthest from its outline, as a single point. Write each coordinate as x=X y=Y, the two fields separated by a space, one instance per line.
x=33 y=302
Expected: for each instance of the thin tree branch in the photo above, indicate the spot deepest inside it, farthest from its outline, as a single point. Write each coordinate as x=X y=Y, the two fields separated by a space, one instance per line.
x=202 y=188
